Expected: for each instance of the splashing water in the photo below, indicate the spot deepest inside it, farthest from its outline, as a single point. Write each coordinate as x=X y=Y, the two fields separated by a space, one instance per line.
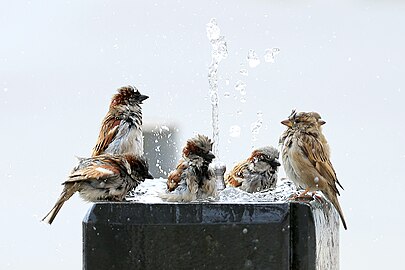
x=234 y=131
x=256 y=126
x=270 y=54
x=240 y=86
x=253 y=59
x=327 y=230
x=149 y=190
x=244 y=72
x=284 y=189
x=219 y=52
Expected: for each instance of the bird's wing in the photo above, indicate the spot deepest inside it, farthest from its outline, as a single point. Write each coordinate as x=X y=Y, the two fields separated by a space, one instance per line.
x=234 y=178
x=109 y=130
x=191 y=180
x=174 y=177
x=94 y=171
x=317 y=155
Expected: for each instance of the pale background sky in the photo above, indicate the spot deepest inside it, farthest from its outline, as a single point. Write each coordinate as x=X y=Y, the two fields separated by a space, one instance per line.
x=61 y=61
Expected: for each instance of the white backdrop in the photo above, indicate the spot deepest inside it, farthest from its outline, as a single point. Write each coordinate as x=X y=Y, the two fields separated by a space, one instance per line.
x=60 y=62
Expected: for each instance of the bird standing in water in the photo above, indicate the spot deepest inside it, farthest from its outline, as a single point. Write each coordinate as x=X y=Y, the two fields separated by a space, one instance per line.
x=256 y=173
x=193 y=178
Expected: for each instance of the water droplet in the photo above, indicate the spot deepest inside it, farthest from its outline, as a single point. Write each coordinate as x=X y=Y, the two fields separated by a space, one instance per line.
x=270 y=54
x=244 y=72
x=257 y=125
x=253 y=59
x=234 y=131
x=240 y=86
x=213 y=31
x=219 y=47
x=316 y=180
x=164 y=128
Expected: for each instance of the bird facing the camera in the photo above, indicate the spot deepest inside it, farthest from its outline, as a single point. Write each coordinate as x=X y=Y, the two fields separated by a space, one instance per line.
x=193 y=178
x=102 y=178
x=121 y=129
x=258 y=172
x=306 y=157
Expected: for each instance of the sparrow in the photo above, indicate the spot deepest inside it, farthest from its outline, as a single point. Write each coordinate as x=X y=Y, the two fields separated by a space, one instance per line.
x=121 y=129
x=102 y=178
x=306 y=157
x=193 y=178
x=258 y=172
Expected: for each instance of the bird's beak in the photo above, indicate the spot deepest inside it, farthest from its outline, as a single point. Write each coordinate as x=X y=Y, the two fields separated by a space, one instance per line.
x=321 y=122
x=143 y=97
x=149 y=176
x=287 y=123
x=275 y=162
x=210 y=155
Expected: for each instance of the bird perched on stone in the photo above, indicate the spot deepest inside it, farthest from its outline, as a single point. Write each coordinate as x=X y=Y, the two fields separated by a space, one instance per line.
x=256 y=173
x=306 y=157
x=102 y=178
x=193 y=178
x=121 y=129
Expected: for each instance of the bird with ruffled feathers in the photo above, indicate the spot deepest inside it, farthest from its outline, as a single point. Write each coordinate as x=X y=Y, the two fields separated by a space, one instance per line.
x=193 y=177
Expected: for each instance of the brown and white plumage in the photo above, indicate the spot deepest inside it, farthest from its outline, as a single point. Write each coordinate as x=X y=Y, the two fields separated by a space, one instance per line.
x=306 y=157
x=193 y=178
x=256 y=173
x=121 y=129
x=102 y=178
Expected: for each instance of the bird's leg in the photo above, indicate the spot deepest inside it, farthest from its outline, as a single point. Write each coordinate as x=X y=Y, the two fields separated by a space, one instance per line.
x=302 y=197
x=304 y=194
x=293 y=197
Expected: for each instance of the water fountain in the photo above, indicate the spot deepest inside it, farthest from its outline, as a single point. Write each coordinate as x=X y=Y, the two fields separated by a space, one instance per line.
x=219 y=52
x=237 y=231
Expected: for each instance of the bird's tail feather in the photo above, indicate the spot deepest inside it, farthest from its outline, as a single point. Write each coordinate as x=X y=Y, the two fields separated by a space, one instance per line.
x=64 y=196
x=334 y=200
